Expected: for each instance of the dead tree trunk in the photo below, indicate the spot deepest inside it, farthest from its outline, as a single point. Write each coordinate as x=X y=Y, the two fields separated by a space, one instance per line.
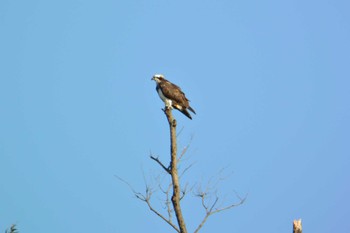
x=297 y=226
x=175 y=199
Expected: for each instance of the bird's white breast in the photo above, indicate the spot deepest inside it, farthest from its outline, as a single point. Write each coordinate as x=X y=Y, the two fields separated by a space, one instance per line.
x=166 y=101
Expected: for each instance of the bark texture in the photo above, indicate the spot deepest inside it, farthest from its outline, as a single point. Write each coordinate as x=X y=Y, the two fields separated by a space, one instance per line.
x=297 y=226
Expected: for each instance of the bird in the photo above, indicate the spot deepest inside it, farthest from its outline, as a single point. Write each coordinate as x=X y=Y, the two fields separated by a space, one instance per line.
x=172 y=95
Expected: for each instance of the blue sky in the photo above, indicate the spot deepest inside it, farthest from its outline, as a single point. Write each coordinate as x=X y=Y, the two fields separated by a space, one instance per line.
x=270 y=83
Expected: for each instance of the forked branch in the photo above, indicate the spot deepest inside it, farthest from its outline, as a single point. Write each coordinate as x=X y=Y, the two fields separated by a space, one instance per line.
x=213 y=209
x=147 y=199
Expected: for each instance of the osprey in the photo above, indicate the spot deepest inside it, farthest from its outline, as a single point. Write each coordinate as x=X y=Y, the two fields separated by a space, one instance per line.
x=172 y=95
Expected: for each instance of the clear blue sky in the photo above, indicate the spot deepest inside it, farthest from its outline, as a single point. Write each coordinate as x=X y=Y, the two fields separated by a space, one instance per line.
x=270 y=82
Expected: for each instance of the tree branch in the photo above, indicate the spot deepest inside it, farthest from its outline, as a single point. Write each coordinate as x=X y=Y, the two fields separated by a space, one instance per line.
x=160 y=163
x=168 y=202
x=137 y=194
x=212 y=209
x=161 y=216
x=147 y=198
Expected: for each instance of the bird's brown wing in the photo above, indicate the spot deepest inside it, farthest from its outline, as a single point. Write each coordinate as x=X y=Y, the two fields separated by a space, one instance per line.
x=173 y=92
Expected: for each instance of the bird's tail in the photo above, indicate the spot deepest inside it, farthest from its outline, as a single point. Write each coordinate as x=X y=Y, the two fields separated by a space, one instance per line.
x=191 y=109
x=186 y=113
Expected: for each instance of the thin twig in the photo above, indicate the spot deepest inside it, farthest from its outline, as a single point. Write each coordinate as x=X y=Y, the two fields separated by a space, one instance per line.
x=186 y=169
x=128 y=184
x=160 y=163
x=180 y=131
x=183 y=152
x=211 y=211
x=147 y=198
x=168 y=202
x=161 y=216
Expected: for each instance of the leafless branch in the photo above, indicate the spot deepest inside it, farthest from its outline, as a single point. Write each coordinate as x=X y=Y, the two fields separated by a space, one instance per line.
x=184 y=191
x=160 y=163
x=180 y=131
x=213 y=209
x=147 y=198
x=168 y=202
x=160 y=215
x=210 y=192
x=184 y=150
x=137 y=194
x=186 y=169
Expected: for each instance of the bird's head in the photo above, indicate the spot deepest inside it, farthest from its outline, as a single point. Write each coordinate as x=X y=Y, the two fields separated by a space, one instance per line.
x=158 y=78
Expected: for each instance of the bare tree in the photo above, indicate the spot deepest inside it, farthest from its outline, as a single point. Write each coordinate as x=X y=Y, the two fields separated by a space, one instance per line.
x=174 y=193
